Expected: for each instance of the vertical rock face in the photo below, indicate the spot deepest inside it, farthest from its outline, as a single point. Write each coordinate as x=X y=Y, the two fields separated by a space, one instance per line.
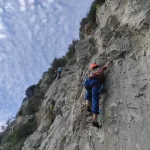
x=122 y=34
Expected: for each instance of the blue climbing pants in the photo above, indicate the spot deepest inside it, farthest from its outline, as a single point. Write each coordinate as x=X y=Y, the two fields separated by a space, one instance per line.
x=92 y=93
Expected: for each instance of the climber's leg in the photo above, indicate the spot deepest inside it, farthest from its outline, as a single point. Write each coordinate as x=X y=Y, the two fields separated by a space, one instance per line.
x=88 y=98
x=95 y=105
x=88 y=95
x=59 y=74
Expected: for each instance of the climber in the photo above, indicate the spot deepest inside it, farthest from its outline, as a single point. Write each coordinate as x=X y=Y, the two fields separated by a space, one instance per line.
x=93 y=88
x=59 y=72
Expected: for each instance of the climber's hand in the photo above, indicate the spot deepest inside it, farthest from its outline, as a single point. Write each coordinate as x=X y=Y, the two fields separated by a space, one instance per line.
x=108 y=63
x=111 y=60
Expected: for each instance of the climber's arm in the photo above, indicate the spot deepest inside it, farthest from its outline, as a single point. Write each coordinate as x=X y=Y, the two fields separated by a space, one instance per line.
x=100 y=71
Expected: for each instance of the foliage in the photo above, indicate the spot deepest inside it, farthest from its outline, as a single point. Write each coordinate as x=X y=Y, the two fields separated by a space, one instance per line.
x=58 y=62
x=72 y=61
x=92 y=13
x=61 y=62
x=51 y=73
x=8 y=122
x=90 y=18
x=83 y=22
x=6 y=147
x=71 y=49
x=22 y=132
x=1 y=136
x=31 y=108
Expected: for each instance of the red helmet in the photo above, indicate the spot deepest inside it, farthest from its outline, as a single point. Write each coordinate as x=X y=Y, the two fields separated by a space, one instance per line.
x=94 y=65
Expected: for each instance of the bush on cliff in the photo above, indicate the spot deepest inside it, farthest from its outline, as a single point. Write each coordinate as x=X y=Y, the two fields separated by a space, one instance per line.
x=32 y=108
x=92 y=13
x=58 y=62
x=71 y=50
x=61 y=62
x=22 y=132
x=90 y=19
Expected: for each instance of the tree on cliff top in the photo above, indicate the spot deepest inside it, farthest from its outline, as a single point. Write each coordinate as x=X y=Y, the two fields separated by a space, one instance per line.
x=90 y=19
x=92 y=13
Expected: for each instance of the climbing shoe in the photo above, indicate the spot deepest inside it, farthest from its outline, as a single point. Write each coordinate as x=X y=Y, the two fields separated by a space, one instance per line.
x=89 y=109
x=96 y=124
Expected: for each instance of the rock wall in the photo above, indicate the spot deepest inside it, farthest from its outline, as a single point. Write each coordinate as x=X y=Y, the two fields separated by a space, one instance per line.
x=122 y=34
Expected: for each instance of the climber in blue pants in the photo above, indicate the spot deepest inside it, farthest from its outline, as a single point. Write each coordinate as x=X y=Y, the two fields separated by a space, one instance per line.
x=93 y=88
x=88 y=94
x=92 y=95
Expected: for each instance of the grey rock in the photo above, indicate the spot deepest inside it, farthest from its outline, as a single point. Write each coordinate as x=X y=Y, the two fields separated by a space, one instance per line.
x=116 y=130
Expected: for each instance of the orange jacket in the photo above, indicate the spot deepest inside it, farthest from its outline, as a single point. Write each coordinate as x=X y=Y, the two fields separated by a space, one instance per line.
x=97 y=72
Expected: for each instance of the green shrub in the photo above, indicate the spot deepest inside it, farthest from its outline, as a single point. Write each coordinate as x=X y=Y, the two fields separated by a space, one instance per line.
x=31 y=108
x=22 y=132
x=72 y=61
x=91 y=17
x=1 y=136
x=51 y=74
x=58 y=62
x=71 y=49
x=83 y=22
x=92 y=13
x=6 y=146
x=61 y=62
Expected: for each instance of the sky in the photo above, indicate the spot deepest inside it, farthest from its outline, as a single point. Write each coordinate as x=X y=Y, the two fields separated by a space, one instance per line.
x=32 y=33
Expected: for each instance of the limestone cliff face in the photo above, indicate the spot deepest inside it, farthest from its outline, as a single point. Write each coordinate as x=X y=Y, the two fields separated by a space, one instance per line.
x=123 y=34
